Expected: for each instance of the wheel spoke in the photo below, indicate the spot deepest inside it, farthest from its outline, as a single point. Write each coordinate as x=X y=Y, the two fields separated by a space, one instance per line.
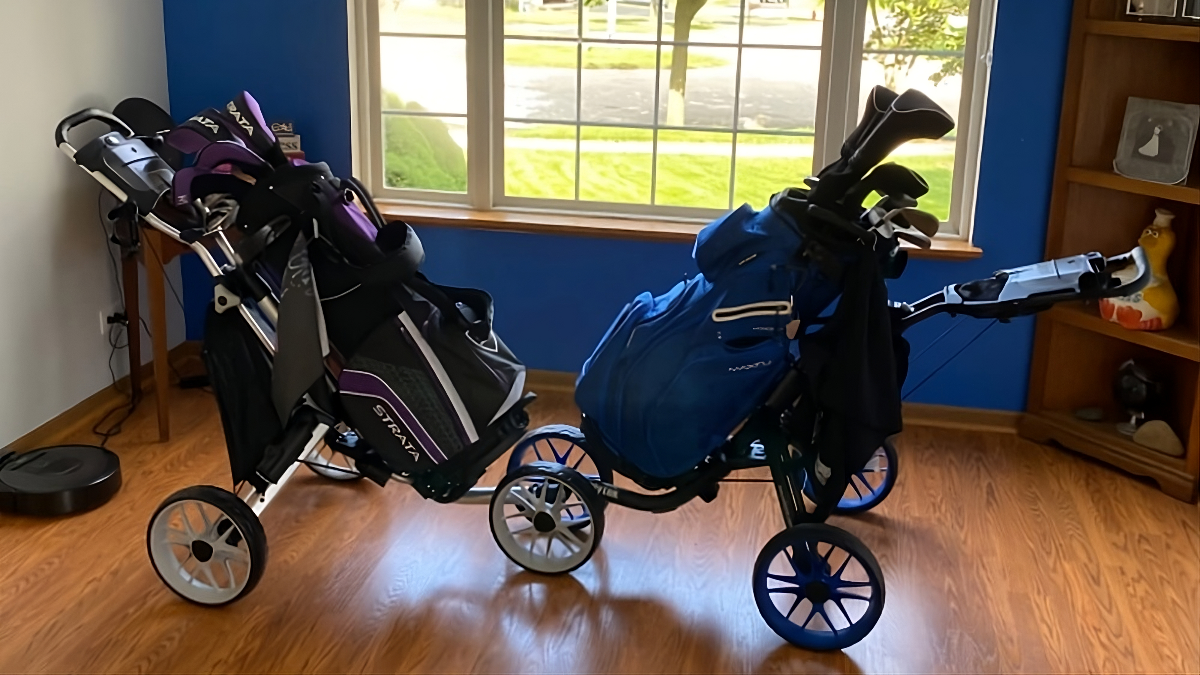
x=579 y=522
x=518 y=514
x=838 y=574
x=178 y=537
x=229 y=570
x=571 y=543
x=561 y=459
x=549 y=542
x=821 y=610
x=203 y=570
x=518 y=493
x=568 y=535
x=809 y=618
x=785 y=579
x=231 y=553
x=842 y=583
x=795 y=604
x=789 y=553
x=828 y=553
x=187 y=523
x=855 y=487
x=849 y=596
x=582 y=456
x=838 y=601
x=522 y=530
x=562 y=500
x=541 y=497
x=208 y=524
x=561 y=495
x=537 y=453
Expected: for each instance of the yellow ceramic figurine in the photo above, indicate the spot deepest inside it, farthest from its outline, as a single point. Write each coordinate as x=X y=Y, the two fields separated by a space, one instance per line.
x=1156 y=307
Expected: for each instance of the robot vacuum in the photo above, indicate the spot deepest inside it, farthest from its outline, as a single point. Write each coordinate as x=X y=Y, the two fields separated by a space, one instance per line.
x=58 y=480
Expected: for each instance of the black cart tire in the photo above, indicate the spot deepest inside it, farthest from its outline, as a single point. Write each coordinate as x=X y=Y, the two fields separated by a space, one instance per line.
x=207 y=545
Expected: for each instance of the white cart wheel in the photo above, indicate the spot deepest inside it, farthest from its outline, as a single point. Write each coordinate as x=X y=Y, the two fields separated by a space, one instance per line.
x=547 y=518
x=207 y=545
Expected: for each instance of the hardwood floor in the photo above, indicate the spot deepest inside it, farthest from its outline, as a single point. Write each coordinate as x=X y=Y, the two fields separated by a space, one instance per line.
x=1000 y=556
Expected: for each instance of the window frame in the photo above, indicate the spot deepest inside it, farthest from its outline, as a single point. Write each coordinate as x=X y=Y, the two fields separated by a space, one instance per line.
x=842 y=56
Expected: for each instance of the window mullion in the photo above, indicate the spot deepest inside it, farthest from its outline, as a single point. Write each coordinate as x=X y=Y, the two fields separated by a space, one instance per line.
x=479 y=103
x=737 y=100
x=841 y=70
x=654 y=123
x=578 y=96
x=971 y=112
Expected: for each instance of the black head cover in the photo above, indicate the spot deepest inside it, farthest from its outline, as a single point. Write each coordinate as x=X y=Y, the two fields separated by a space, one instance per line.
x=912 y=115
x=888 y=179
x=246 y=119
x=879 y=101
x=146 y=118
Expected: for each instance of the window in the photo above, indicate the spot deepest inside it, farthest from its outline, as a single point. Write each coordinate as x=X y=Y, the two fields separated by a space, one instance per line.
x=657 y=108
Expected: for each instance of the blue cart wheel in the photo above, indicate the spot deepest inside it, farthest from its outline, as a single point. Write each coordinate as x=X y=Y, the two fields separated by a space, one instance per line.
x=868 y=487
x=560 y=444
x=818 y=587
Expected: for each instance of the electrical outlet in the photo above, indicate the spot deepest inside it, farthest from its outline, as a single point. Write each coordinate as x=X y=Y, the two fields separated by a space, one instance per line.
x=107 y=319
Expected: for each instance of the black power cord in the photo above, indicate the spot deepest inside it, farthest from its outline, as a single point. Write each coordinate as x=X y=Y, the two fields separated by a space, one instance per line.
x=118 y=323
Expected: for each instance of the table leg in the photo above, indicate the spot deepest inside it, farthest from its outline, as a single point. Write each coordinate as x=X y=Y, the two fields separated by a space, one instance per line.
x=156 y=290
x=129 y=275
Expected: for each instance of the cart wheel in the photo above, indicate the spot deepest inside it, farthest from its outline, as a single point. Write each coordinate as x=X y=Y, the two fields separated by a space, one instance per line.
x=331 y=464
x=868 y=487
x=818 y=587
x=207 y=545
x=547 y=518
x=560 y=444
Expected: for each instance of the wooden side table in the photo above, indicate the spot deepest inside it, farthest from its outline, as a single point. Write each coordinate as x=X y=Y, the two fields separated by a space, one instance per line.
x=157 y=250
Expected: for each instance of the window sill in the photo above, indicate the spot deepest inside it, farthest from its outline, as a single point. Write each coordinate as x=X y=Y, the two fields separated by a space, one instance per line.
x=606 y=227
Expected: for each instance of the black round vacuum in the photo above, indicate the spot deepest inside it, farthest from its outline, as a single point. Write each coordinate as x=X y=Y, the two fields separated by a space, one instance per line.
x=58 y=480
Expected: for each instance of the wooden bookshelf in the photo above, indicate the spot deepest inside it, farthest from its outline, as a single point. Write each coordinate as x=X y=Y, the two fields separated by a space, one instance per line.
x=1076 y=352
x=1146 y=31
x=1186 y=194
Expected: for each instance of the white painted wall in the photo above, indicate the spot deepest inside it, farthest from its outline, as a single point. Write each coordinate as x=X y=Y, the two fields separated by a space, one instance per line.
x=57 y=57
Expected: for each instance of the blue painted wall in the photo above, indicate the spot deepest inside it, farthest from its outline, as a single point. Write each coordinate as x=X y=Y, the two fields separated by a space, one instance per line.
x=292 y=55
x=556 y=295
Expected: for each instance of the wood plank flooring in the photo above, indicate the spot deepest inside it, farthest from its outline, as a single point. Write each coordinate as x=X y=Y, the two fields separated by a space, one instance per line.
x=1000 y=556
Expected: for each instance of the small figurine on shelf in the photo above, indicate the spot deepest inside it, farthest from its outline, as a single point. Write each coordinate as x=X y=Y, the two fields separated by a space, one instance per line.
x=1138 y=391
x=1155 y=307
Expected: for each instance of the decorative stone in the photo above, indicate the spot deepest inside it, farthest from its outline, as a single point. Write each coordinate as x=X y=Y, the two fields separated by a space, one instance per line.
x=1157 y=435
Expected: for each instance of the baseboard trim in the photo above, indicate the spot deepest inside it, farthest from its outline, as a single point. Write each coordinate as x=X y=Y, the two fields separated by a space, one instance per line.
x=75 y=422
x=550 y=380
x=915 y=414
x=965 y=419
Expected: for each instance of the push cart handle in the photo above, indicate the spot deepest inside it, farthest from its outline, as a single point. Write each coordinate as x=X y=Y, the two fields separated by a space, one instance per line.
x=64 y=127
x=1140 y=281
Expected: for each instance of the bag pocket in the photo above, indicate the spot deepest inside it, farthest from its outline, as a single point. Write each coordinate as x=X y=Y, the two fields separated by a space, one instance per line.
x=717 y=388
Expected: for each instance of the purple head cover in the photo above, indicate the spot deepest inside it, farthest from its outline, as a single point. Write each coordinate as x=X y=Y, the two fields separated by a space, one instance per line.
x=198 y=132
x=216 y=158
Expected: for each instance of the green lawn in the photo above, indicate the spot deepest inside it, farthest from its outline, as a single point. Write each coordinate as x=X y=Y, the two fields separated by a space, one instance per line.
x=598 y=57
x=687 y=180
x=567 y=131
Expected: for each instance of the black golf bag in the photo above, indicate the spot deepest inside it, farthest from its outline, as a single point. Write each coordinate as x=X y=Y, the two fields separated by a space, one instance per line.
x=363 y=338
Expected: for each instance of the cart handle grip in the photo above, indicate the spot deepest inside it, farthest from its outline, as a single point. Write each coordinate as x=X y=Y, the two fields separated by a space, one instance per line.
x=64 y=127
